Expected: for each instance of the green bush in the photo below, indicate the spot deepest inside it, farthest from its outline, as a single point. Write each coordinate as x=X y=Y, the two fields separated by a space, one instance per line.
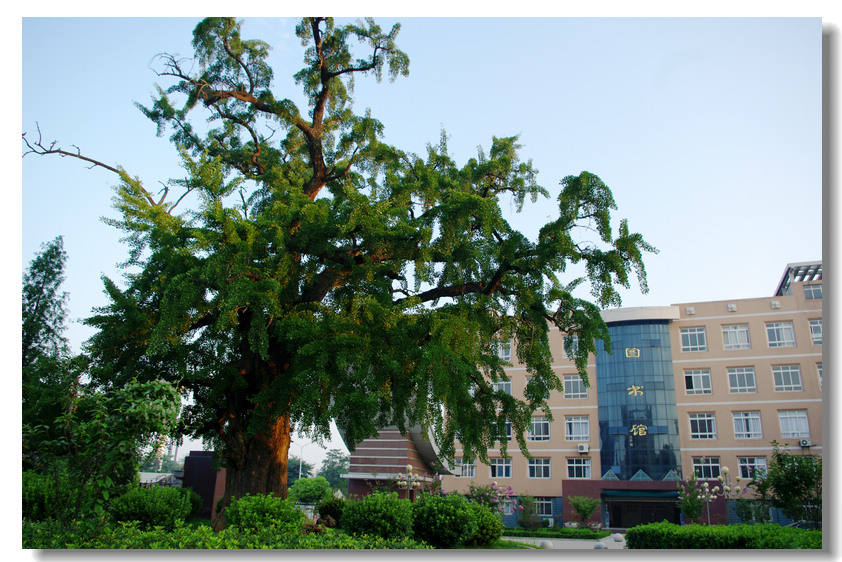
x=52 y=535
x=154 y=506
x=332 y=507
x=38 y=496
x=260 y=511
x=443 y=521
x=489 y=525
x=556 y=532
x=310 y=490
x=766 y=536
x=380 y=514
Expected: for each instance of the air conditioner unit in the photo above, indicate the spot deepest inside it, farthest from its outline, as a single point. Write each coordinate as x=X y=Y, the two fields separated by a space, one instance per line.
x=802 y=443
x=775 y=304
x=732 y=308
x=582 y=447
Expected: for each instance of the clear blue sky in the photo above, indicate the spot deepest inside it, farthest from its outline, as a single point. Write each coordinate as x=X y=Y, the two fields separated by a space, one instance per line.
x=708 y=131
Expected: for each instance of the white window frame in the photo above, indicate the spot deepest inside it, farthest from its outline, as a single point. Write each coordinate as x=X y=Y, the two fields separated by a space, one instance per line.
x=575 y=340
x=578 y=468
x=787 y=378
x=741 y=380
x=816 y=331
x=706 y=468
x=819 y=371
x=574 y=387
x=780 y=334
x=505 y=386
x=749 y=466
x=694 y=339
x=544 y=507
x=706 y=418
x=577 y=428
x=747 y=425
x=500 y=468
x=735 y=336
x=699 y=380
x=504 y=350
x=539 y=468
x=813 y=291
x=539 y=430
x=469 y=469
x=794 y=423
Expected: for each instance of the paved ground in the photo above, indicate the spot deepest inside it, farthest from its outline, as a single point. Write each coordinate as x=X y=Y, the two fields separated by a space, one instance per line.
x=573 y=544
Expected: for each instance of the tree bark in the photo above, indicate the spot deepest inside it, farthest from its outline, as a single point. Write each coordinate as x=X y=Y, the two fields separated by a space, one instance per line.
x=258 y=465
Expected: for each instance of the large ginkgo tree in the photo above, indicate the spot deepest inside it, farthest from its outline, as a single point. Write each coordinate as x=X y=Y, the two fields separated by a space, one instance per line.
x=304 y=271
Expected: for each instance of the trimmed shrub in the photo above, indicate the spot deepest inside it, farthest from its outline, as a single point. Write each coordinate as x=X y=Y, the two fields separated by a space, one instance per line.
x=256 y=512
x=489 y=525
x=155 y=506
x=556 y=532
x=310 y=490
x=443 y=521
x=380 y=514
x=331 y=507
x=766 y=536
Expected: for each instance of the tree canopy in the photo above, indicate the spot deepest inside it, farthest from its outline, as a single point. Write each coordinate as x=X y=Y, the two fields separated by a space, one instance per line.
x=303 y=270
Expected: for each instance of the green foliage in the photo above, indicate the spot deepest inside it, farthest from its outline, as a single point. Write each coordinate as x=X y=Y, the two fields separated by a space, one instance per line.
x=443 y=521
x=336 y=463
x=155 y=506
x=557 y=532
x=795 y=484
x=38 y=497
x=528 y=518
x=51 y=535
x=492 y=495
x=310 y=490
x=766 y=536
x=298 y=468
x=584 y=506
x=691 y=499
x=99 y=443
x=262 y=512
x=380 y=514
x=324 y=275
x=489 y=525
x=752 y=510
x=332 y=507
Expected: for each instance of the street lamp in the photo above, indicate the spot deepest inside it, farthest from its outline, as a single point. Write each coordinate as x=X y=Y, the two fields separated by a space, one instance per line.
x=301 y=455
x=408 y=482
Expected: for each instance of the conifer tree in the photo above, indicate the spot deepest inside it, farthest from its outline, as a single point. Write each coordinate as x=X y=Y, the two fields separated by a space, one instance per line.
x=321 y=274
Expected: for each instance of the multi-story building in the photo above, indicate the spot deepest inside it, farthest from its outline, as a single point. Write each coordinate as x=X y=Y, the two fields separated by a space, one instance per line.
x=691 y=387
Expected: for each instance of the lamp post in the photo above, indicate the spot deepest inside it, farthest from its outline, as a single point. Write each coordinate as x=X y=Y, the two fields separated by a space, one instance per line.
x=726 y=491
x=301 y=455
x=409 y=482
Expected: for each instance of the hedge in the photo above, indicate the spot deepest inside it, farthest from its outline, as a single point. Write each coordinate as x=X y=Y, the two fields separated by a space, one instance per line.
x=766 y=536
x=555 y=533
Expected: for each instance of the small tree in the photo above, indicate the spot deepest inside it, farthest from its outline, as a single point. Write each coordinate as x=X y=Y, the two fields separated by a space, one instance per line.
x=795 y=482
x=310 y=490
x=529 y=514
x=336 y=464
x=584 y=506
x=691 y=499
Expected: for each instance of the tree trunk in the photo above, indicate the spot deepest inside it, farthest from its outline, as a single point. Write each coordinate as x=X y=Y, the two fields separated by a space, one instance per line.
x=258 y=466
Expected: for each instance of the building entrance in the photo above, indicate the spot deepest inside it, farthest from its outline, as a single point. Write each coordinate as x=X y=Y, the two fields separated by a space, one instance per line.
x=626 y=513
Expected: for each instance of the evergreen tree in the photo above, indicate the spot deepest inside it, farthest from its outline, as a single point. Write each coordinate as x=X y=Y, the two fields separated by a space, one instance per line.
x=322 y=274
x=336 y=464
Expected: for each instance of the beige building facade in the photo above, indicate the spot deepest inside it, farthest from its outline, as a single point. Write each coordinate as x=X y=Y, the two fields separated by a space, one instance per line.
x=691 y=387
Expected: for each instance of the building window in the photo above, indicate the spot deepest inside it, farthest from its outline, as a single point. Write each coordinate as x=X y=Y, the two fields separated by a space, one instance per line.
x=693 y=339
x=501 y=468
x=787 y=378
x=576 y=428
x=503 y=386
x=702 y=426
x=735 y=337
x=508 y=506
x=816 y=331
x=469 y=469
x=539 y=430
x=697 y=381
x=813 y=292
x=741 y=379
x=751 y=466
x=747 y=425
x=794 y=423
x=539 y=468
x=504 y=350
x=706 y=468
x=579 y=468
x=573 y=342
x=544 y=507
x=819 y=369
x=780 y=334
x=574 y=387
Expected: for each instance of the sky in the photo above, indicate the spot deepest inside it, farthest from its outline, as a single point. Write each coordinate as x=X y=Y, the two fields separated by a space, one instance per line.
x=707 y=130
